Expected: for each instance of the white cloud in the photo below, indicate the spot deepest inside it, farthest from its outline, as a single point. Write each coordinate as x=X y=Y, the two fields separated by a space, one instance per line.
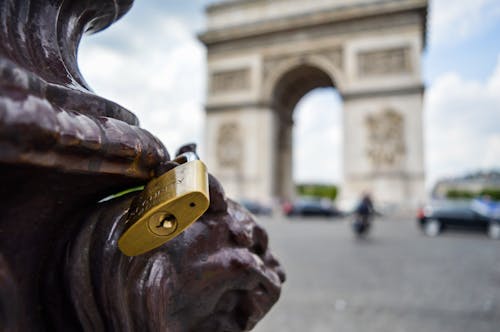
x=462 y=125
x=453 y=21
x=156 y=70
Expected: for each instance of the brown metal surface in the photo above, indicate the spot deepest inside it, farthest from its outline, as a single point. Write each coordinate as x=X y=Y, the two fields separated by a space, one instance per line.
x=62 y=149
x=218 y=275
x=48 y=114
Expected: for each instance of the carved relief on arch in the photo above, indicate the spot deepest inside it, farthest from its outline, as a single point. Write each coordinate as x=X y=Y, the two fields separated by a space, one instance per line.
x=332 y=55
x=385 y=62
x=386 y=146
x=230 y=80
x=229 y=145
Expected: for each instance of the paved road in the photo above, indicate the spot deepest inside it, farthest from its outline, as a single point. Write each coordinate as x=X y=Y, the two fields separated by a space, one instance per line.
x=396 y=281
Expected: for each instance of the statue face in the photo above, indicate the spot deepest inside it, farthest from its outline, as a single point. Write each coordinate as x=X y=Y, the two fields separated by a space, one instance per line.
x=227 y=278
x=216 y=276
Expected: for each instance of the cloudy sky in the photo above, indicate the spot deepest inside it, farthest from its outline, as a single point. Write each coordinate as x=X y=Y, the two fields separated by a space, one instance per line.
x=151 y=62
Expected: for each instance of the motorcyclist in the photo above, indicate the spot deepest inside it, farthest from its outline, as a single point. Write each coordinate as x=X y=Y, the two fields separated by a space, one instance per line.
x=363 y=214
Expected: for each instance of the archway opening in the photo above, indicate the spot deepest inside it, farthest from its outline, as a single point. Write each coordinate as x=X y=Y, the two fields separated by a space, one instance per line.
x=297 y=91
x=317 y=141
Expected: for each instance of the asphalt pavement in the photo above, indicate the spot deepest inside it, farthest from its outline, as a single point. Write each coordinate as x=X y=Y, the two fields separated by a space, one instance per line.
x=397 y=280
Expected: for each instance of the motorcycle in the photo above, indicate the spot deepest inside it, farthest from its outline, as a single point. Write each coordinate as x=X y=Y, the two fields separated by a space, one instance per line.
x=361 y=226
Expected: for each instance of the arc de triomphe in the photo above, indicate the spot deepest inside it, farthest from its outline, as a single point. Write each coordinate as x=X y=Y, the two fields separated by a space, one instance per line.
x=265 y=55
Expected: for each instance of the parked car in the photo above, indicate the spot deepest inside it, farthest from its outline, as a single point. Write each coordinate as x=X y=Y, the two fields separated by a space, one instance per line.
x=256 y=207
x=310 y=207
x=439 y=216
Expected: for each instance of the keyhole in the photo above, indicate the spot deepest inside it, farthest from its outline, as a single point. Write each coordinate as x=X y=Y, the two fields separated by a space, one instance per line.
x=167 y=222
x=163 y=224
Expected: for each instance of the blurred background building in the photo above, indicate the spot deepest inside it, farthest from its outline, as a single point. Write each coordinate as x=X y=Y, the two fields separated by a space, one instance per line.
x=468 y=186
x=264 y=56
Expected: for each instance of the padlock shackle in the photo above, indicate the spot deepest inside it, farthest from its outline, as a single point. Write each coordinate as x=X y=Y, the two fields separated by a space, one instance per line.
x=186 y=157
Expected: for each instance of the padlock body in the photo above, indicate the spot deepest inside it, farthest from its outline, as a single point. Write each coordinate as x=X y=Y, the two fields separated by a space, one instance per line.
x=166 y=206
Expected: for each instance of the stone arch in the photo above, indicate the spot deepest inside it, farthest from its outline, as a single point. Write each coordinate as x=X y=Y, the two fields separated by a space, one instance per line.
x=281 y=68
x=267 y=55
x=300 y=77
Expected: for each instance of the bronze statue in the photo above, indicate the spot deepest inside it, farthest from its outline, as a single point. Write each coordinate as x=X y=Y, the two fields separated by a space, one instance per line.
x=62 y=149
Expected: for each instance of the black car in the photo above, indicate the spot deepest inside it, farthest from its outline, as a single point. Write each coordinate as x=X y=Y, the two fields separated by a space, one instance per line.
x=256 y=207
x=311 y=207
x=442 y=215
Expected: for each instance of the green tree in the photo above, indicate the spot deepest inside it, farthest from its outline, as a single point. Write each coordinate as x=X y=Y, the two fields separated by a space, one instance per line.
x=494 y=193
x=318 y=190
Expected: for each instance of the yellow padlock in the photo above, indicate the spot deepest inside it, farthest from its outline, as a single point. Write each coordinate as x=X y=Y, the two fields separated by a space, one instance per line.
x=166 y=207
